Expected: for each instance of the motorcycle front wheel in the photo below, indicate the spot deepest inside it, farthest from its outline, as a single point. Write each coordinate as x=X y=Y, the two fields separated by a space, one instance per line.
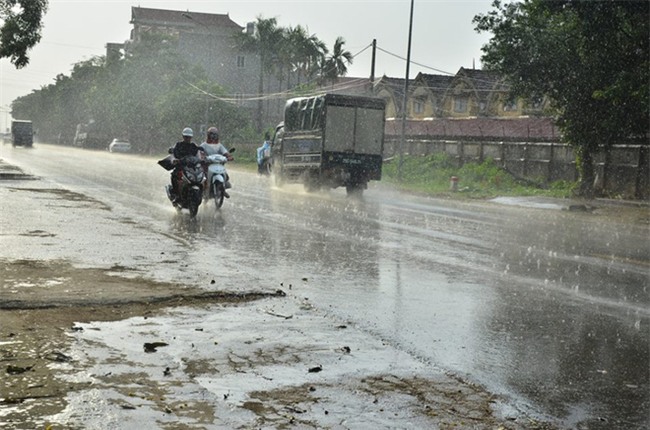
x=195 y=202
x=266 y=167
x=217 y=191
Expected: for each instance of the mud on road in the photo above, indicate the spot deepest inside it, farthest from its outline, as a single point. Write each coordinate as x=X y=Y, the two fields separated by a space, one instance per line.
x=36 y=323
x=36 y=332
x=278 y=363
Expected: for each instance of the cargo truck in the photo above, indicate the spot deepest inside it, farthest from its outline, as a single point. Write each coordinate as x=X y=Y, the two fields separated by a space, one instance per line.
x=330 y=141
x=22 y=133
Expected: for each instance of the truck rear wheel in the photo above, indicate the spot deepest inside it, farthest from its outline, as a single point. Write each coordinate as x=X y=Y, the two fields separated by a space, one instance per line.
x=354 y=190
x=278 y=180
x=312 y=186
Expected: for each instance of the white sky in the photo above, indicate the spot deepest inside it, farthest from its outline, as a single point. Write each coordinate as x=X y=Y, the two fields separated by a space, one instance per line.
x=443 y=34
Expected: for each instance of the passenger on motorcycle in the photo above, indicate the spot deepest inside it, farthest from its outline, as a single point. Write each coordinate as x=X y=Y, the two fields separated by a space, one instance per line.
x=182 y=149
x=212 y=146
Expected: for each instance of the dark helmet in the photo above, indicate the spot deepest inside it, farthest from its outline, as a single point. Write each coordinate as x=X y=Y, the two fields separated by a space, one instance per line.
x=213 y=133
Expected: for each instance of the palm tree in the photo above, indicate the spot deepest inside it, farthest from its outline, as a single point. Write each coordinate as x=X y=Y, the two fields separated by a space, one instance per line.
x=336 y=64
x=308 y=52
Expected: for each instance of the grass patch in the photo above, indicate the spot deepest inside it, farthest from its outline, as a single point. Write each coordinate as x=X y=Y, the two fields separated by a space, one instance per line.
x=432 y=174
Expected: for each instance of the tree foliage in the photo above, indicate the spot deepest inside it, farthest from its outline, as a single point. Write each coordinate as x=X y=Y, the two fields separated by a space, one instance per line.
x=292 y=54
x=287 y=52
x=336 y=64
x=591 y=58
x=21 y=28
x=148 y=96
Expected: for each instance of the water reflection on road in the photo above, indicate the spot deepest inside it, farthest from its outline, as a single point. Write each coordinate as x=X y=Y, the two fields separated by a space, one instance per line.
x=531 y=304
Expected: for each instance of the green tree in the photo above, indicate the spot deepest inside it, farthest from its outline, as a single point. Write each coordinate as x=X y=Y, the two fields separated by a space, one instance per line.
x=148 y=96
x=21 y=28
x=591 y=59
x=307 y=52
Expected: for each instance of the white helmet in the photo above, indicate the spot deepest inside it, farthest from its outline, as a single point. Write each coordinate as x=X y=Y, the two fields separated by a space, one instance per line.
x=188 y=132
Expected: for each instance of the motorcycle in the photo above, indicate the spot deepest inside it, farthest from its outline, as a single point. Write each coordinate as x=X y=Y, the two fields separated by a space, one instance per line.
x=264 y=166
x=190 y=181
x=218 y=179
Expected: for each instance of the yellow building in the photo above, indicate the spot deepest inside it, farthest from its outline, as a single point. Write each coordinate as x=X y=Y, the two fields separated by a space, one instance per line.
x=468 y=94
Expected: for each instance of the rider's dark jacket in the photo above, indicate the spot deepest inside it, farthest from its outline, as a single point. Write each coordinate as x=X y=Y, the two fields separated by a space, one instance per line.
x=184 y=149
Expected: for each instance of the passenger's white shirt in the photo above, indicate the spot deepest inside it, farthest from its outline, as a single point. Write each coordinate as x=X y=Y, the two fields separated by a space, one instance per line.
x=214 y=148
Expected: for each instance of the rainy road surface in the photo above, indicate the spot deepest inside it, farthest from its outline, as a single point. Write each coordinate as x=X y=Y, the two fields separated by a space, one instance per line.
x=546 y=306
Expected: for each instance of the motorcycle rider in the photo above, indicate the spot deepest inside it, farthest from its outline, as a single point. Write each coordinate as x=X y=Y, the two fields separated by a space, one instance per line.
x=212 y=146
x=263 y=151
x=182 y=149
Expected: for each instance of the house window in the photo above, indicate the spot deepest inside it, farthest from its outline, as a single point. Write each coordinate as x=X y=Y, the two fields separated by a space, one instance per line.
x=418 y=107
x=460 y=104
x=510 y=106
x=241 y=61
x=537 y=103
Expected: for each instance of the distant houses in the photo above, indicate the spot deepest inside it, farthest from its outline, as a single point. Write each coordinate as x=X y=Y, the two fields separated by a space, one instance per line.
x=473 y=104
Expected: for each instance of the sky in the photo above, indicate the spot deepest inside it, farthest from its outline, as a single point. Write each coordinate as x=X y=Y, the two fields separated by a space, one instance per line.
x=443 y=37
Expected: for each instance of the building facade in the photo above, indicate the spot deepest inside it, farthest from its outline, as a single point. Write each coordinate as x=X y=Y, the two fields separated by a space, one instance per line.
x=205 y=40
x=471 y=93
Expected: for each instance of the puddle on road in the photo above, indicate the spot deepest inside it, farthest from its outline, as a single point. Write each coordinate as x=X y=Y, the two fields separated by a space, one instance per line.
x=528 y=202
x=243 y=366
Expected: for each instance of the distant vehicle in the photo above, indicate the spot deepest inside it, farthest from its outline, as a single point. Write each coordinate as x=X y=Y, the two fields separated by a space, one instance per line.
x=330 y=141
x=119 y=145
x=22 y=133
x=91 y=136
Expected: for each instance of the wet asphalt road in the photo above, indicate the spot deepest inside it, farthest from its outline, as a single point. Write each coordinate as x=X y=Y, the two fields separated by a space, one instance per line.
x=545 y=306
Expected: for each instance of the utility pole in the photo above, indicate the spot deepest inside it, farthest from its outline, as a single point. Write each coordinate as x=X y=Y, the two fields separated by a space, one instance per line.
x=372 y=62
x=404 y=104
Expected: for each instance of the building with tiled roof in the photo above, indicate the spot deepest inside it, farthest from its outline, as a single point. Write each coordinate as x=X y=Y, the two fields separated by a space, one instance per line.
x=427 y=96
x=175 y=22
x=205 y=40
x=392 y=91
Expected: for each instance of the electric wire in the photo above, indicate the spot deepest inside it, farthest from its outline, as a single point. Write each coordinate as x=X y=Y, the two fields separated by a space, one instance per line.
x=338 y=86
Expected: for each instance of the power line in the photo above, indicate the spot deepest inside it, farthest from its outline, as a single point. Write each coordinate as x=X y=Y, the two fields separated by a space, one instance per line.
x=491 y=82
x=413 y=62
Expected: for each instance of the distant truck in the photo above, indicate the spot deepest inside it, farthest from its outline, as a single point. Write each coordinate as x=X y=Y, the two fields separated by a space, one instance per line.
x=91 y=136
x=22 y=133
x=330 y=141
